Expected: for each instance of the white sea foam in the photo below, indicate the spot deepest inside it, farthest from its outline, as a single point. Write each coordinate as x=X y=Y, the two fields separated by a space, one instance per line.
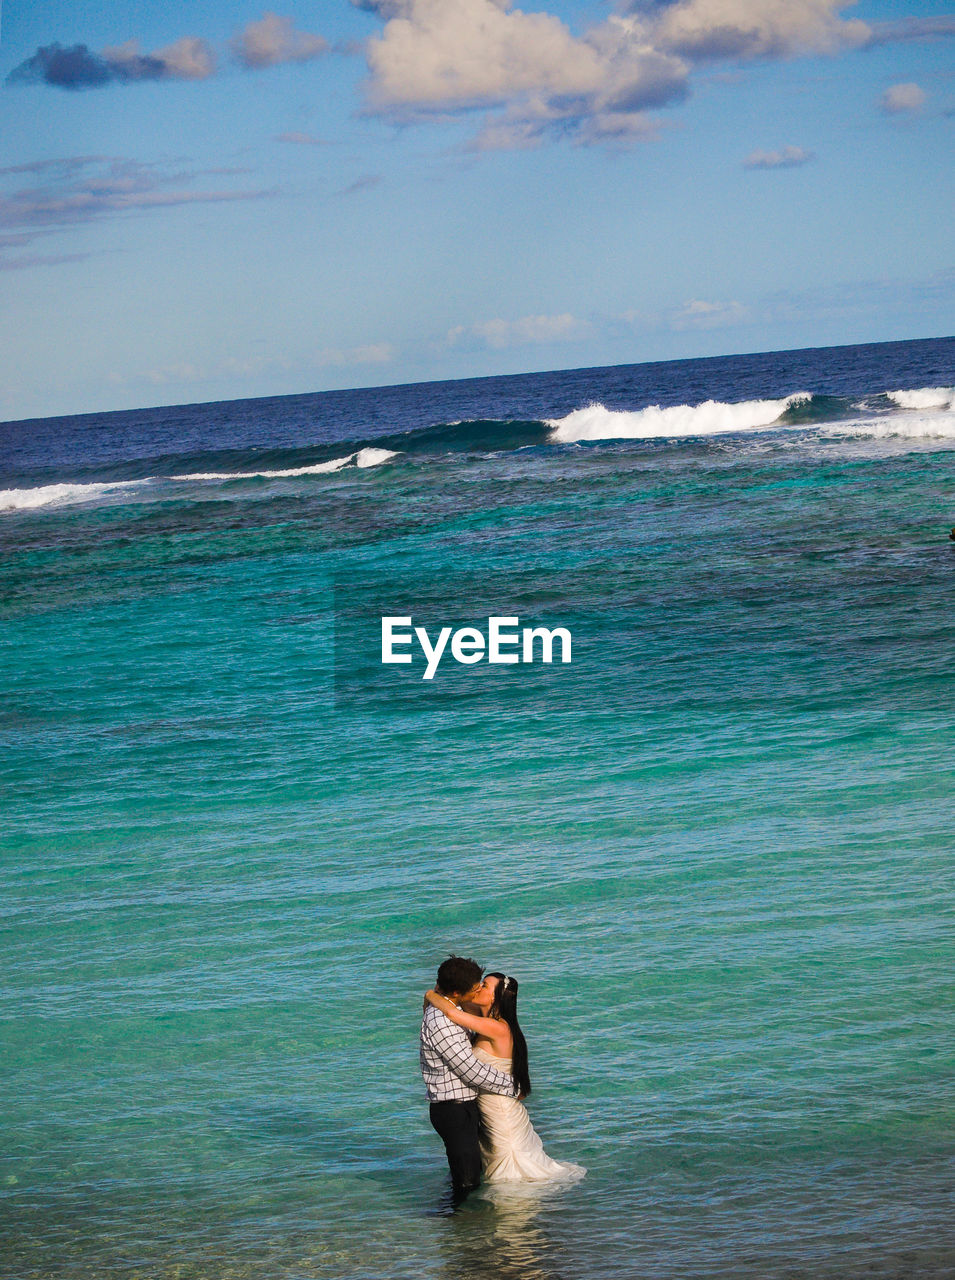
x=335 y=464
x=925 y=398
x=52 y=495
x=596 y=422
x=60 y=494
x=373 y=457
x=901 y=426
x=363 y=458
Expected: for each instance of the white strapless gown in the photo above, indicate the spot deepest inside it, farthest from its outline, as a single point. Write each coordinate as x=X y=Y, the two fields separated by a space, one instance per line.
x=511 y=1149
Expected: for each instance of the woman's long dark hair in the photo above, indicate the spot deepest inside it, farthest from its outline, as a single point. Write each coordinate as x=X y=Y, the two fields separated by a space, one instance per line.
x=505 y=1008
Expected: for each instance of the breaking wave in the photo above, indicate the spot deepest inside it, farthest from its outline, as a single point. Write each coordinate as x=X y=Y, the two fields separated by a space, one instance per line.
x=925 y=414
x=921 y=414
x=61 y=495
x=71 y=494
x=713 y=417
x=367 y=457
x=924 y=398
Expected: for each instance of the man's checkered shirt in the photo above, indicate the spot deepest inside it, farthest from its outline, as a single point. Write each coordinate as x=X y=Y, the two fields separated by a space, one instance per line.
x=451 y=1071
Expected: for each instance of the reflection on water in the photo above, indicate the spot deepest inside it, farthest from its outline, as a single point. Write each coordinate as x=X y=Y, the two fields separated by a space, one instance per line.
x=322 y=1233
x=500 y=1233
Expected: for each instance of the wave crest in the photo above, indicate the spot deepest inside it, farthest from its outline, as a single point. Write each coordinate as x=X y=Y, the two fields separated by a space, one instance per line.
x=363 y=458
x=373 y=457
x=924 y=398
x=596 y=422
x=916 y=426
x=60 y=494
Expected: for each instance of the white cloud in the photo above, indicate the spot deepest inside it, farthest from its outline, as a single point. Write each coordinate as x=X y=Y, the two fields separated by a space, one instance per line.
x=501 y=333
x=699 y=314
x=539 y=79
x=273 y=40
x=899 y=99
x=371 y=353
x=189 y=58
x=174 y=373
x=707 y=29
x=464 y=52
x=785 y=158
x=436 y=56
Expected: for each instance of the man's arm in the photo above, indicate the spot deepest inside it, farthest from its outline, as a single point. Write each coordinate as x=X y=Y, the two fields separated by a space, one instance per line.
x=489 y=1027
x=454 y=1048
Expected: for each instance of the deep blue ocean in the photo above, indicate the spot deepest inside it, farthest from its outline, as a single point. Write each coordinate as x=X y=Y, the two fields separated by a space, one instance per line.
x=716 y=847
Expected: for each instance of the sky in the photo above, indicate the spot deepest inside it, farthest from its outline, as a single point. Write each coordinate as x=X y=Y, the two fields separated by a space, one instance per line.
x=218 y=201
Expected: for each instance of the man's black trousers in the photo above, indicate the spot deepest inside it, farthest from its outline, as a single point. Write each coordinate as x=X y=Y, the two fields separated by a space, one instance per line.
x=459 y=1126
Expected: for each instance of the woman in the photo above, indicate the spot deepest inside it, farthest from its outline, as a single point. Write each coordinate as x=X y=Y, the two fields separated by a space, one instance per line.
x=511 y=1149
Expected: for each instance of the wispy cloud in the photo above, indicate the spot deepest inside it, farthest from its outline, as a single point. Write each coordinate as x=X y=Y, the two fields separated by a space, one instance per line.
x=371 y=353
x=924 y=298
x=364 y=183
x=253 y=366
x=81 y=189
x=12 y=244
x=901 y=29
x=301 y=139
x=785 y=158
x=63 y=165
x=760 y=313
x=500 y=333
x=700 y=314
x=902 y=99
x=39 y=260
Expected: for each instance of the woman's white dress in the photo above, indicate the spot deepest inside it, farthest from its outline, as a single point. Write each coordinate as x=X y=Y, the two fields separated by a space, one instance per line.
x=511 y=1149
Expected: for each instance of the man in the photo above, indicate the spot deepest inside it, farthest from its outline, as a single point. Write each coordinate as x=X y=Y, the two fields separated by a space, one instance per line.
x=453 y=1076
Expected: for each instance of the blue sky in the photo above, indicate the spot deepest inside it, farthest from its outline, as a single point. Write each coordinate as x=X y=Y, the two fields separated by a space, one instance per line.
x=220 y=201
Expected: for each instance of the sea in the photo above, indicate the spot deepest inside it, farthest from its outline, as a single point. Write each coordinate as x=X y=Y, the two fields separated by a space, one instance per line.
x=715 y=846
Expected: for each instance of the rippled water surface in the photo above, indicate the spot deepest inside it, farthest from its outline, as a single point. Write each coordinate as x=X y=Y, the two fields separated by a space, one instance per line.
x=716 y=848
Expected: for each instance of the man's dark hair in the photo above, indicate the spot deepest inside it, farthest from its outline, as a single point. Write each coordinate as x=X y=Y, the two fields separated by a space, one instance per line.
x=457 y=975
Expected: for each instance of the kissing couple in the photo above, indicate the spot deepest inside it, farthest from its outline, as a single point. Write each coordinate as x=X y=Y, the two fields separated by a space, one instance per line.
x=474 y=1064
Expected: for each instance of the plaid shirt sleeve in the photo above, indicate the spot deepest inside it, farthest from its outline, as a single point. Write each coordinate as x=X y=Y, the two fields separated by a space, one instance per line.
x=451 y=1071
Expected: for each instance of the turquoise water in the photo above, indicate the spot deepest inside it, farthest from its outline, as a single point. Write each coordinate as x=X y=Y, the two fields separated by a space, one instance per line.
x=716 y=848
